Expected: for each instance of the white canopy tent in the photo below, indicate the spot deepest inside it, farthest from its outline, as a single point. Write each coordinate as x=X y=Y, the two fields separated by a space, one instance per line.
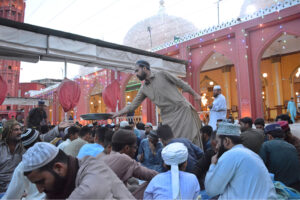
x=23 y=101
x=29 y=43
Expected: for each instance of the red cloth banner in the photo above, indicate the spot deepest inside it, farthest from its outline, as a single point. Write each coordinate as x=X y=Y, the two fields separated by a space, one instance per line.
x=111 y=94
x=68 y=94
x=3 y=90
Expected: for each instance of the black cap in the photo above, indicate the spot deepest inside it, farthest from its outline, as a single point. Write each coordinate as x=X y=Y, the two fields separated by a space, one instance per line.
x=143 y=63
x=41 y=103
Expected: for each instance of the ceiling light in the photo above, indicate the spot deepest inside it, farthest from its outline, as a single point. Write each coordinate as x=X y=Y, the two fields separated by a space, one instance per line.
x=265 y=75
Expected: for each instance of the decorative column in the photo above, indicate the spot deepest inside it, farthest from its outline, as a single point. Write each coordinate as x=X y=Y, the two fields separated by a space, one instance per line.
x=292 y=86
x=244 y=74
x=277 y=83
x=227 y=89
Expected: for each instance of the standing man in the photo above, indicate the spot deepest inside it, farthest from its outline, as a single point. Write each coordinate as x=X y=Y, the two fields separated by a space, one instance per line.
x=292 y=110
x=218 y=109
x=162 y=89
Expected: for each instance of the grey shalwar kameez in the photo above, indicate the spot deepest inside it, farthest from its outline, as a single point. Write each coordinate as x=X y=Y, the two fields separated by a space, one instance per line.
x=176 y=111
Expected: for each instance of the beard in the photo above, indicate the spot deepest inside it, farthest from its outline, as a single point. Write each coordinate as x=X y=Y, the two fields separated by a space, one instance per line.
x=221 y=150
x=215 y=95
x=142 y=76
x=58 y=185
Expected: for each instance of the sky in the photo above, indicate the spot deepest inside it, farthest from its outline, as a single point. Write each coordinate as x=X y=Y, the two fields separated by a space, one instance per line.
x=110 y=20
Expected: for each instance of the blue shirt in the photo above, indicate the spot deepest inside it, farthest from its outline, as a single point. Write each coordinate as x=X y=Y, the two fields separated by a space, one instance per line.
x=150 y=160
x=194 y=153
x=160 y=187
x=239 y=174
x=90 y=150
x=207 y=145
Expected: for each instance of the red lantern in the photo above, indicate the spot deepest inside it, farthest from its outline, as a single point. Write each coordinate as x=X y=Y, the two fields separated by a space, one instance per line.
x=3 y=90
x=111 y=95
x=68 y=94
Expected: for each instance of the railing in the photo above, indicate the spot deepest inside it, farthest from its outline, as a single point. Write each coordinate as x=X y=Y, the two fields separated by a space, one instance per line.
x=260 y=13
x=135 y=119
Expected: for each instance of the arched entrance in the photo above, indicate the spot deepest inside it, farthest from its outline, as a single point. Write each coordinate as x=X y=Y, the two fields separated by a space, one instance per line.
x=131 y=91
x=219 y=70
x=96 y=102
x=279 y=67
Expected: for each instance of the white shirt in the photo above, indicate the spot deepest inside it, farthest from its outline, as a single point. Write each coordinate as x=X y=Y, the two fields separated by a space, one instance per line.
x=19 y=185
x=64 y=144
x=160 y=187
x=239 y=174
x=218 y=111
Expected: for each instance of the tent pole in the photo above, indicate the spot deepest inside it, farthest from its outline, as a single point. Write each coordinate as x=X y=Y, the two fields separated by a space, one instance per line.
x=65 y=69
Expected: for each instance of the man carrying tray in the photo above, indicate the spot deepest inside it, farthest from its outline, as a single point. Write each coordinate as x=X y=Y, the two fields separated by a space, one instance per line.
x=162 y=89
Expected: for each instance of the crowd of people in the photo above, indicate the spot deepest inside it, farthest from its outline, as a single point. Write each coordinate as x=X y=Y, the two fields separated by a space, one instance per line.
x=179 y=159
x=134 y=161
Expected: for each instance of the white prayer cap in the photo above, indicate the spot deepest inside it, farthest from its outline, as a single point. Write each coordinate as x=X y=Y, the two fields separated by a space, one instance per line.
x=128 y=103
x=175 y=154
x=229 y=129
x=149 y=124
x=217 y=87
x=66 y=131
x=123 y=124
x=39 y=155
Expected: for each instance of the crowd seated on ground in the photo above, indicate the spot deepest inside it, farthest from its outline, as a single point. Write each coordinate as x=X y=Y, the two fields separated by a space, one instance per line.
x=244 y=160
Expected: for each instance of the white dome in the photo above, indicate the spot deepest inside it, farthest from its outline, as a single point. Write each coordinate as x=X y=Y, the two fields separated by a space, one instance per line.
x=250 y=6
x=163 y=28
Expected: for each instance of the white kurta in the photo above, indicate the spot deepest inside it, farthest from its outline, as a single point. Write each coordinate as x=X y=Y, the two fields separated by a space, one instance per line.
x=218 y=111
x=19 y=185
x=239 y=174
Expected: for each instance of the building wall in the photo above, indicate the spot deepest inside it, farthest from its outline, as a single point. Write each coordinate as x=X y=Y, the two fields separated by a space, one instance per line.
x=25 y=87
x=10 y=69
x=289 y=65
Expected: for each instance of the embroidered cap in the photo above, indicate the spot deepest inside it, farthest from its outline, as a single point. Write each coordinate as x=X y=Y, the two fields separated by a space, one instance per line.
x=272 y=127
x=123 y=124
x=39 y=155
x=230 y=129
x=284 y=125
x=217 y=87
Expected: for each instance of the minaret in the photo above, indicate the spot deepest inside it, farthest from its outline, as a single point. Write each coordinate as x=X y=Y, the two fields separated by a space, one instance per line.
x=10 y=69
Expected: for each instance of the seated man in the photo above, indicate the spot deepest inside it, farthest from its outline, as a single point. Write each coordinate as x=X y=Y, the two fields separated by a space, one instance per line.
x=165 y=133
x=19 y=184
x=121 y=161
x=70 y=134
x=204 y=162
x=11 y=150
x=175 y=183
x=281 y=157
x=95 y=148
x=289 y=137
x=61 y=176
x=259 y=123
x=237 y=172
x=74 y=147
x=251 y=138
x=206 y=132
x=150 y=152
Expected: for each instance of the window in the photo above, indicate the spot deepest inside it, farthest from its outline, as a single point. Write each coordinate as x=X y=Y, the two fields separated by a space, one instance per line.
x=9 y=67
x=7 y=107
